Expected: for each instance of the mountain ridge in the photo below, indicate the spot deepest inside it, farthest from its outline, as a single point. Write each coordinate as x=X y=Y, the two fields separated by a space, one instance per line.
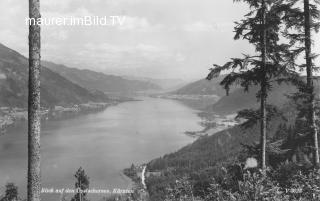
x=201 y=87
x=99 y=81
x=237 y=99
x=55 y=89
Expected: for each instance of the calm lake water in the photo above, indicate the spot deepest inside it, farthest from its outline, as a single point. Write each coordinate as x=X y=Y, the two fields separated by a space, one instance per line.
x=103 y=144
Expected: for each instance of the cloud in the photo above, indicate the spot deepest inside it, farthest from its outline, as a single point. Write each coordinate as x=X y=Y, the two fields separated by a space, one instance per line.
x=55 y=5
x=134 y=23
x=10 y=10
x=108 y=47
x=180 y=57
x=18 y=40
x=199 y=27
x=163 y=36
x=107 y=52
x=139 y=24
x=79 y=12
x=61 y=35
x=9 y=36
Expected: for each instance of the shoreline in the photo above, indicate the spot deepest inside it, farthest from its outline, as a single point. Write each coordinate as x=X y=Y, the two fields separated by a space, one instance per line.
x=130 y=182
x=213 y=123
x=137 y=175
x=10 y=116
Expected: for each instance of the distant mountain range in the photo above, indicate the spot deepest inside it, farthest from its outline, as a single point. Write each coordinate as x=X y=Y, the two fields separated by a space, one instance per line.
x=55 y=89
x=202 y=87
x=60 y=85
x=237 y=99
x=100 y=81
x=169 y=84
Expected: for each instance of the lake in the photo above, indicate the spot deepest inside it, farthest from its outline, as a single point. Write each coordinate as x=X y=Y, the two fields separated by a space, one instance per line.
x=103 y=143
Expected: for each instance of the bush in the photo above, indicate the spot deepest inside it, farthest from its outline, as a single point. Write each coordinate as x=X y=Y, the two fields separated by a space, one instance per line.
x=258 y=187
x=305 y=187
x=11 y=193
x=284 y=173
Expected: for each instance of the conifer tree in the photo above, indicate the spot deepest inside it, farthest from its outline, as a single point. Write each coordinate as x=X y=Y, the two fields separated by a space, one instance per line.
x=261 y=28
x=302 y=19
x=11 y=193
x=82 y=184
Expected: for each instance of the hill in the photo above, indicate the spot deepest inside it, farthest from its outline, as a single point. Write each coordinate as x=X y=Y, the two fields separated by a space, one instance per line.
x=55 y=89
x=199 y=94
x=208 y=150
x=239 y=99
x=100 y=81
x=202 y=87
x=167 y=85
x=202 y=160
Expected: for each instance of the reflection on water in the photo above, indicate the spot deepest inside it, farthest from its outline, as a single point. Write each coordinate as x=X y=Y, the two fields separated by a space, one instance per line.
x=103 y=143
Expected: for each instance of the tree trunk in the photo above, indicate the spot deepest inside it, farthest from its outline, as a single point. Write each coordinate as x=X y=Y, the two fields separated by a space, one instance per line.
x=311 y=111
x=263 y=120
x=34 y=183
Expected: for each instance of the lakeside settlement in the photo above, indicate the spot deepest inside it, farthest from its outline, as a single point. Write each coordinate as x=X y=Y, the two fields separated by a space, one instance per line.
x=10 y=115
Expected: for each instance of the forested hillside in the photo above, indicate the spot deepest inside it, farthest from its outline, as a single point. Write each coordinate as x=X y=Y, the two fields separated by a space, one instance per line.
x=240 y=99
x=99 y=81
x=55 y=89
x=202 y=87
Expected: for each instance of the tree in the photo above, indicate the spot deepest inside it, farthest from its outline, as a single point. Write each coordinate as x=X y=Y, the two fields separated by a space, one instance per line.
x=261 y=28
x=81 y=185
x=11 y=193
x=300 y=23
x=263 y=97
x=309 y=69
x=34 y=181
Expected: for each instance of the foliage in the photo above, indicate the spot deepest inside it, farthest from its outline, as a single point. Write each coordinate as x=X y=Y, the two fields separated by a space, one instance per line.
x=305 y=186
x=295 y=25
x=247 y=71
x=132 y=173
x=256 y=186
x=300 y=25
x=252 y=116
x=82 y=184
x=227 y=180
x=11 y=193
x=158 y=186
x=181 y=190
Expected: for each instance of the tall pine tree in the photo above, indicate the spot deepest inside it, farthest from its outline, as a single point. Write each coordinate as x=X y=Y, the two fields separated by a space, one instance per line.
x=302 y=19
x=81 y=185
x=261 y=28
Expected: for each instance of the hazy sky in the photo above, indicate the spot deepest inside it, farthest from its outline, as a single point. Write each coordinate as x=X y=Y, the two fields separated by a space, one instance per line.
x=159 y=38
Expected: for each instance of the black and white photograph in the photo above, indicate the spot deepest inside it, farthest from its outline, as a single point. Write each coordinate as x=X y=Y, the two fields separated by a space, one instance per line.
x=159 y=100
